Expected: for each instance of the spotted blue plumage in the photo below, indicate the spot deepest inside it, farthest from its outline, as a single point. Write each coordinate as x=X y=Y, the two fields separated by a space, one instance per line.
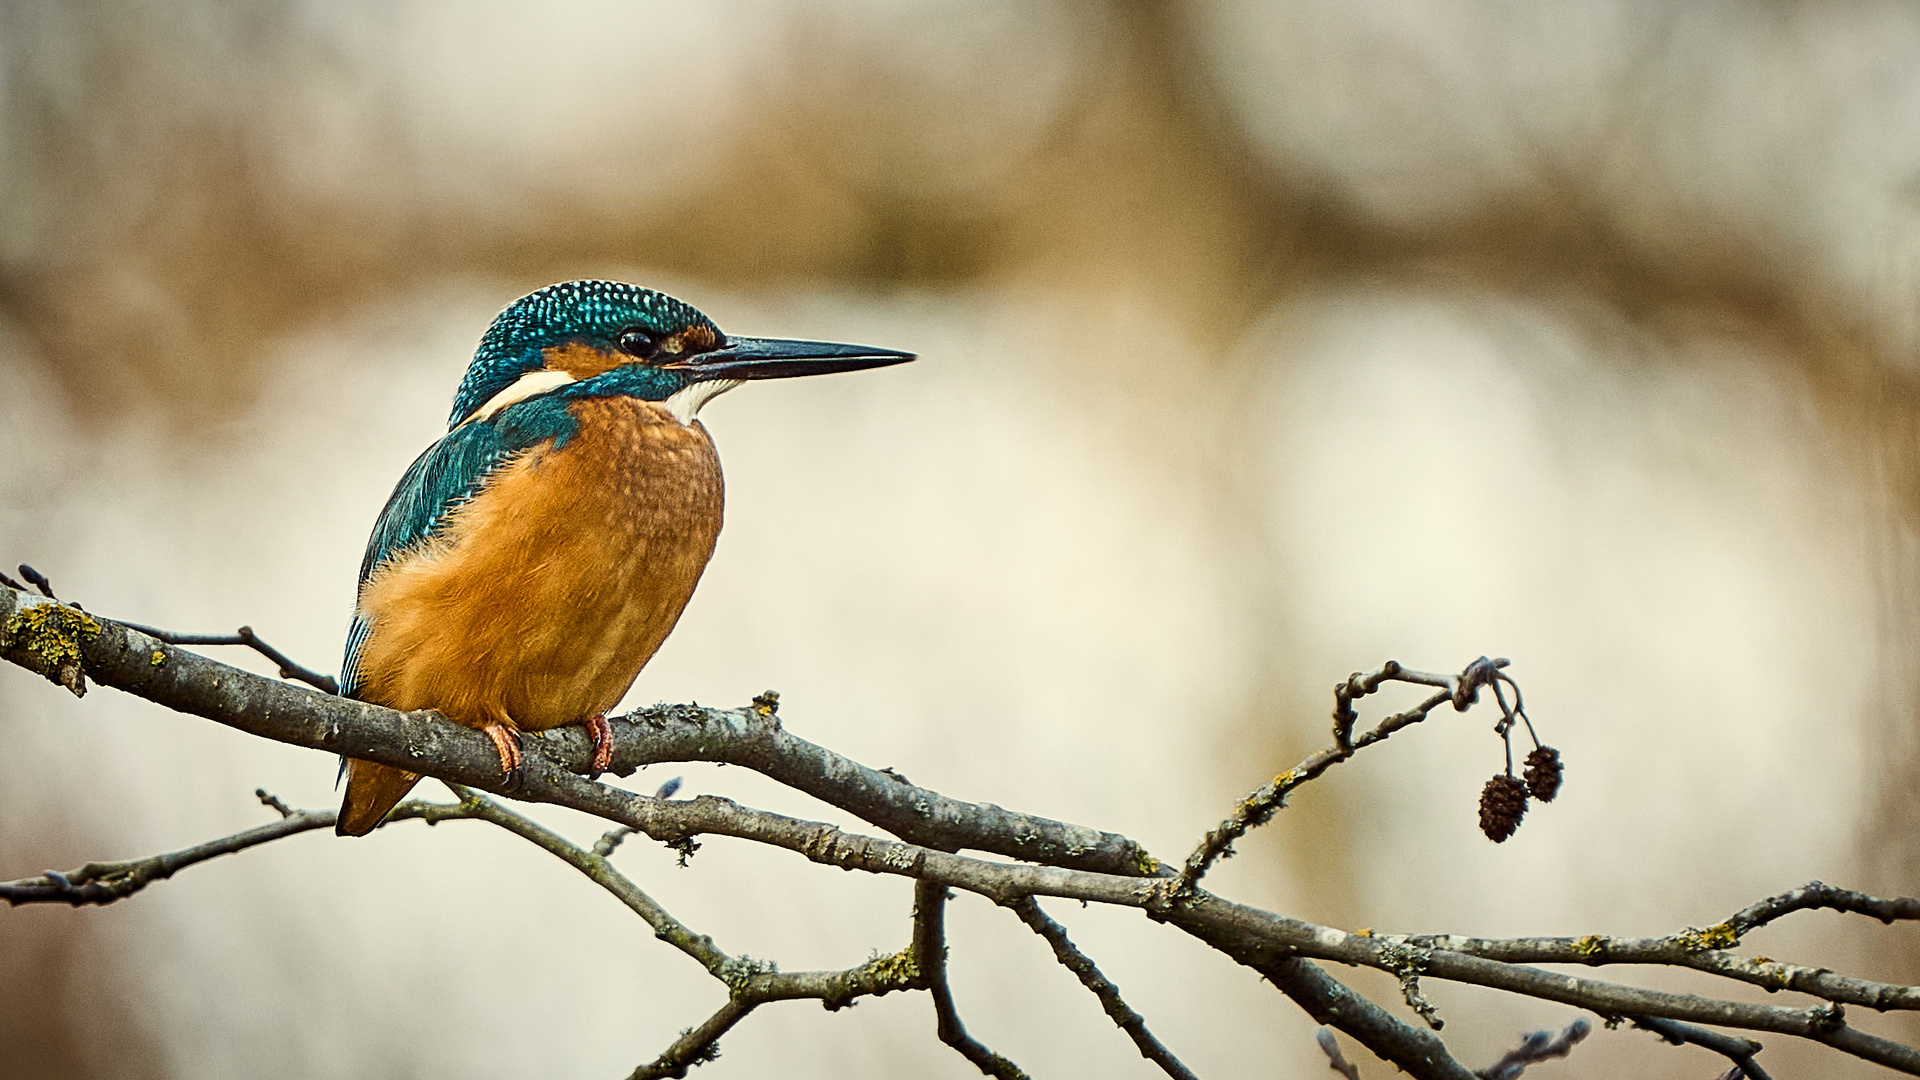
x=594 y=312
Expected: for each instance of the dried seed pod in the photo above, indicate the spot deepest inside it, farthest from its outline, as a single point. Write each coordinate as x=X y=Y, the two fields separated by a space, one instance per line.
x=1503 y=802
x=1543 y=773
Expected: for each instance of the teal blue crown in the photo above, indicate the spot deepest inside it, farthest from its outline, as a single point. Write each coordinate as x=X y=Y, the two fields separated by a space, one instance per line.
x=589 y=312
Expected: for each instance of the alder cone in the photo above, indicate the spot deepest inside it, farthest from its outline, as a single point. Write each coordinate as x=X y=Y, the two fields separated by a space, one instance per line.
x=1543 y=773
x=1503 y=802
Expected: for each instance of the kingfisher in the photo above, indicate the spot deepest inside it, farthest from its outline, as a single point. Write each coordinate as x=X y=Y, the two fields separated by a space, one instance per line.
x=531 y=561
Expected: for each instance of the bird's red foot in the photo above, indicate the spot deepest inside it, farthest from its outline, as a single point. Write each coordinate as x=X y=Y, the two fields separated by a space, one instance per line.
x=506 y=742
x=601 y=733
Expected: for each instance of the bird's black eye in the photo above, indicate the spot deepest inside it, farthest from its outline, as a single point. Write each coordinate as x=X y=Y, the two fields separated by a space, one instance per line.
x=637 y=342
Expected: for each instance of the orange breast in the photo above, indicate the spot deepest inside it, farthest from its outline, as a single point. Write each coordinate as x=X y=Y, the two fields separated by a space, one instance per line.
x=549 y=590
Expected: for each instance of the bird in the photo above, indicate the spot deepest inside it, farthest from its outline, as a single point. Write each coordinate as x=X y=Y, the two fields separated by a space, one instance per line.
x=530 y=562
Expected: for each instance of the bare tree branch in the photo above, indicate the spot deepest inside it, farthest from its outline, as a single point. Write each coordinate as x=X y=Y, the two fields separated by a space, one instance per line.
x=39 y=581
x=596 y=867
x=696 y=1045
x=753 y=738
x=289 y=669
x=751 y=983
x=1419 y=1053
x=1739 y=1051
x=1814 y=895
x=1103 y=988
x=1535 y=1048
x=104 y=882
x=1706 y=949
x=1258 y=808
x=127 y=659
x=1067 y=861
x=930 y=949
x=1336 y=1060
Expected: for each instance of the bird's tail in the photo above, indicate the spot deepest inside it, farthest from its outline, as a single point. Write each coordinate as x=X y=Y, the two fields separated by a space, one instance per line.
x=372 y=790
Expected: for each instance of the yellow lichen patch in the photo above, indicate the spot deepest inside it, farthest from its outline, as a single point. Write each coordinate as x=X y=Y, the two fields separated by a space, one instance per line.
x=898 y=969
x=767 y=703
x=1590 y=948
x=50 y=635
x=1721 y=936
x=1145 y=863
x=1365 y=931
x=158 y=659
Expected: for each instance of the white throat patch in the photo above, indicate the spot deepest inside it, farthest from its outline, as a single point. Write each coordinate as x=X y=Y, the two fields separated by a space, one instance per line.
x=532 y=384
x=685 y=402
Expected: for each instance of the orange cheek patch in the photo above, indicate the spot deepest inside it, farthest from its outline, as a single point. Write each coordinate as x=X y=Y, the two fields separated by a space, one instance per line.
x=581 y=361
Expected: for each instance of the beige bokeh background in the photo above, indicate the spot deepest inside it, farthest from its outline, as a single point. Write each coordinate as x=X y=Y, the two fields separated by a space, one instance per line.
x=1261 y=343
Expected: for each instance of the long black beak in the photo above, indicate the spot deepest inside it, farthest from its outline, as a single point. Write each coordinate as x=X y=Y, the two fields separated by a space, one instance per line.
x=776 y=358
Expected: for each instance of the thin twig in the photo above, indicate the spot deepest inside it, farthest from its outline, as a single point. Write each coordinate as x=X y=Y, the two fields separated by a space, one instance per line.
x=1336 y=1060
x=1419 y=1053
x=1417 y=1001
x=1815 y=894
x=753 y=983
x=105 y=882
x=1739 y=1051
x=930 y=952
x=289 y=668
x=1706 y=949
x=102 y=883
x=750 y=982
x=611 y=840
x=1103 y=988
x=696 y=1045
x=596 y=867
x=1535 y=1048
x=39 y=581
x=1258 y=808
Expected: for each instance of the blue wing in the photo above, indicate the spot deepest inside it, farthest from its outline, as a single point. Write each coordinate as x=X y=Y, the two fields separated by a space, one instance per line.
x=449 y=473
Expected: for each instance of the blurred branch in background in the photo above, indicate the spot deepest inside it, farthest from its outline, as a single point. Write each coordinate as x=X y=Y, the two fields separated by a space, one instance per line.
x=66 y=645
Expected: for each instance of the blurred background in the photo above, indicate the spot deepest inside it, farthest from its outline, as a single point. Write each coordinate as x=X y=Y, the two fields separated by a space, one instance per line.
x=1261 y=342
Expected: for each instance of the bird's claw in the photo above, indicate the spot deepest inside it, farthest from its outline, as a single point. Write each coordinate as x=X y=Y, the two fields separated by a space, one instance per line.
x=601 y=733
x=506 y=742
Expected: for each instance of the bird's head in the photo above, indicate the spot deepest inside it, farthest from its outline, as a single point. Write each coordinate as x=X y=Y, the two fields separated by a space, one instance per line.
x=608 y=338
